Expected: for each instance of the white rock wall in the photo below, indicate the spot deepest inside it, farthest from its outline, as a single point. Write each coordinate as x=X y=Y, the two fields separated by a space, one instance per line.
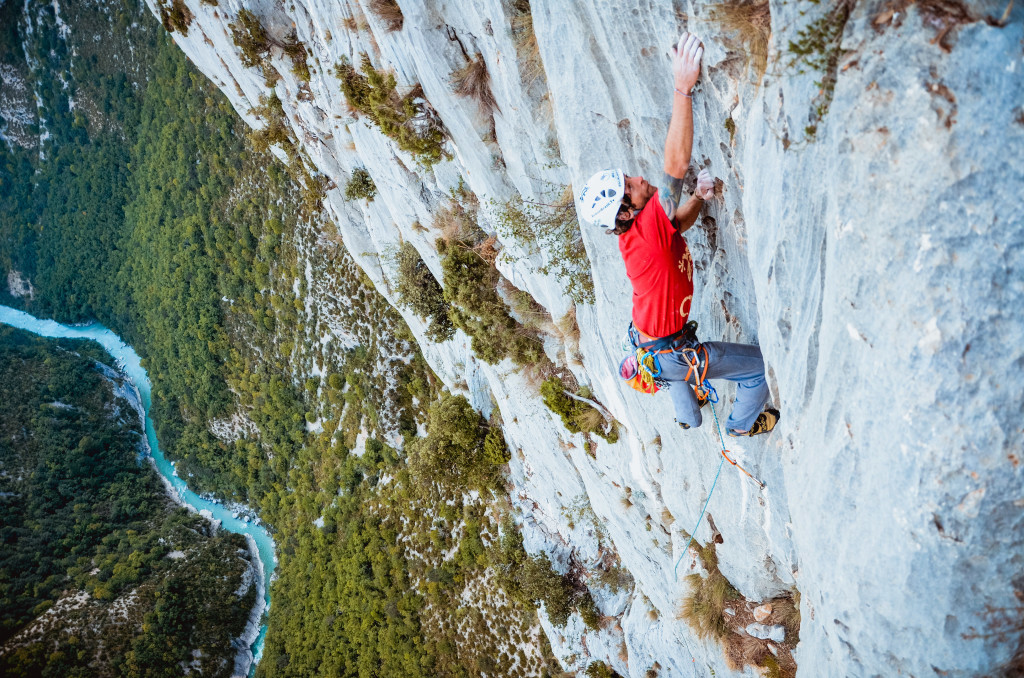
x=878 y=265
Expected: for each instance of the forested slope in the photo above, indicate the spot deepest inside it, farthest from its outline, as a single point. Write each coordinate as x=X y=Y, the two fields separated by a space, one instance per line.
x=100 y=573
x=280 y=377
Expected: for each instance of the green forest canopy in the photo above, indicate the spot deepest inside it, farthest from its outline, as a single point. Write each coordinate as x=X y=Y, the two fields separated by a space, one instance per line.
x=79 y=511
x=152 y=211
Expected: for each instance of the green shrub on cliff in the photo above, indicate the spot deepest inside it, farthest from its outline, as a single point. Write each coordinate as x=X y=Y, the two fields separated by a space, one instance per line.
x=175 y=16
x=577 y=416
x=532 y=580
x=599 y=669
x=420 y=291
x=455 y=453
x=360 y=186
x=407 y=119
x=254 y=44
x=470 y=287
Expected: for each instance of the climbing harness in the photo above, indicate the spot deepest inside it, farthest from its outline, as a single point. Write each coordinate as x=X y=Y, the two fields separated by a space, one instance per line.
x=642 y=370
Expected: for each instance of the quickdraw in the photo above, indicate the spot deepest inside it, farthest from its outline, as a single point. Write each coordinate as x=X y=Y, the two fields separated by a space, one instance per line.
x=725 y=453
x=701 y=386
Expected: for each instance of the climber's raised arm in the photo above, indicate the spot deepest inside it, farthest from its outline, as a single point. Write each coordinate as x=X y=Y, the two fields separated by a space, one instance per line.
x=685 y=71
x=686 y=214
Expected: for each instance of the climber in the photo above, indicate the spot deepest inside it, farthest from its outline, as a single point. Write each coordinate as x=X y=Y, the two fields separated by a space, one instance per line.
x=660 y=269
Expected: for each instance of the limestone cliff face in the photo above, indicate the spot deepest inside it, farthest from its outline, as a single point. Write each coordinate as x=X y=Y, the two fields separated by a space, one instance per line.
x=867 y=235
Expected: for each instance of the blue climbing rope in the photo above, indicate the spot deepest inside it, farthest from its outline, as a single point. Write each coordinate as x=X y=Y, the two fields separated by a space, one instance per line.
x=676 y=571
x=711 y=391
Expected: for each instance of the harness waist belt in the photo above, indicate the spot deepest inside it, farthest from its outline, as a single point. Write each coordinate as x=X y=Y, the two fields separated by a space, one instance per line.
x=684 y=338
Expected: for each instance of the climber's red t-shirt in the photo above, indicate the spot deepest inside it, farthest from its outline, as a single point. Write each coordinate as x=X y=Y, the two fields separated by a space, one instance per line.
x=660 y=268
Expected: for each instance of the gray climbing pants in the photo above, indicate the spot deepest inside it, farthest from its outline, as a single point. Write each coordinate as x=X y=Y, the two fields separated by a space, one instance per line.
x=741 y=363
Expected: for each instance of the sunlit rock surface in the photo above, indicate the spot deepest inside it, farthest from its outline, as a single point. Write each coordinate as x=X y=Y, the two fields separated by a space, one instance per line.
x=867 y=235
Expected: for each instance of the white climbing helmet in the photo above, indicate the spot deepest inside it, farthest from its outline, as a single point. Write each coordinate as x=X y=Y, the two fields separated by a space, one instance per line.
x=600 y=198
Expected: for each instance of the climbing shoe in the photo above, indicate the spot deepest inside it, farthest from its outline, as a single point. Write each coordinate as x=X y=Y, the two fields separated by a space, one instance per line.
x=764 y=423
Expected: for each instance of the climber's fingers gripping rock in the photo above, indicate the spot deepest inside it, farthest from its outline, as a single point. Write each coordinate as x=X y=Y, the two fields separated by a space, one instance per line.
x=686 y=58
x=705 y=185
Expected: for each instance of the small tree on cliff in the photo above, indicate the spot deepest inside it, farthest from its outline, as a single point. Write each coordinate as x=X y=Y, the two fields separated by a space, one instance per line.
x=454 y=453
x=254 y=43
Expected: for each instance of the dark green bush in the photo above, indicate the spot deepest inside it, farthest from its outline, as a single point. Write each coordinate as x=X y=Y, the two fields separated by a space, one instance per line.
x=175 y=16
x=539 y=582
x=588 y=610
x=275 y=131
x=251 y=38
x=412 y=124
x=360 y=186
x=420 y=291
x=531 y=579
x=578 y=417
x=296 y=51
x=453 y=453
x=476 y=308
x=599 y=669
x=495 y=449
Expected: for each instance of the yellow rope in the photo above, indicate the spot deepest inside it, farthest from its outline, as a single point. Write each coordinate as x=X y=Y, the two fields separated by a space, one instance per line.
x=646 y=365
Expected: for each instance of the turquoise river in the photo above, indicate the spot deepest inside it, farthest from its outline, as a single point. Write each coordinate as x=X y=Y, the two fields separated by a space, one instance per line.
x=129 y=363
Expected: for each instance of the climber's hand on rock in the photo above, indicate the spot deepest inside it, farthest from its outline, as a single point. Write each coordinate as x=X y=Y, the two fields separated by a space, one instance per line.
x=686 y=61
x=705 y=185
